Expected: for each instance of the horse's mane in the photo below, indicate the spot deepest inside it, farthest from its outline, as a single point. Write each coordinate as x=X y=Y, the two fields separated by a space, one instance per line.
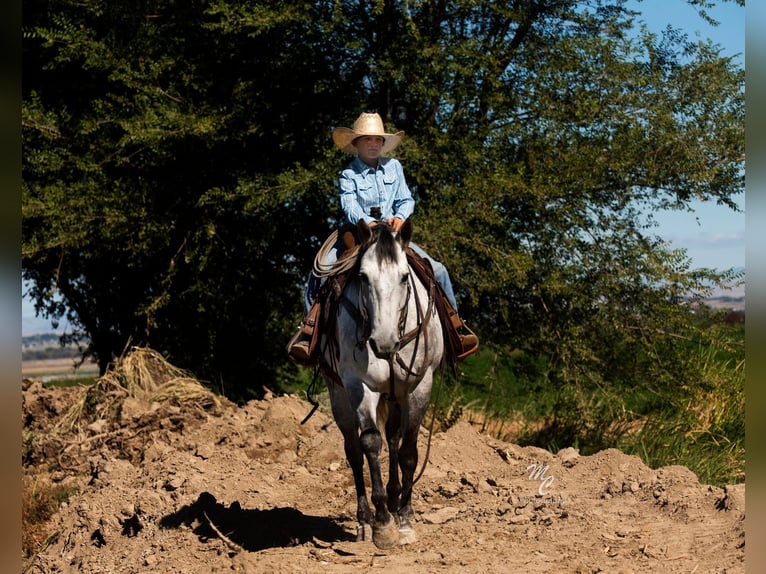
x=382 y=235
x=387 y=246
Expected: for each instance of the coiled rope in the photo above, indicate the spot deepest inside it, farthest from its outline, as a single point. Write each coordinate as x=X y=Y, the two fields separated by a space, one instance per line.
x=321 y=269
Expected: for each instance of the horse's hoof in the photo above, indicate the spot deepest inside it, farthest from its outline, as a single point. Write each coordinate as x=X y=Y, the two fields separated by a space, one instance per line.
x=386 y=536
x=363 y=532
x=407 y=535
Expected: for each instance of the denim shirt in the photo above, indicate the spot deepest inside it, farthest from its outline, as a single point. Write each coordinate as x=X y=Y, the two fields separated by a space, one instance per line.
x=362 y=187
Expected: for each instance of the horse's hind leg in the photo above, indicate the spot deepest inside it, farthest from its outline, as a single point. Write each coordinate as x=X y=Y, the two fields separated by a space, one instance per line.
x=394 y=437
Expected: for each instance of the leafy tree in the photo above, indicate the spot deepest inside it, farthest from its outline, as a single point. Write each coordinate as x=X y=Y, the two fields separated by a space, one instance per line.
x=178 y=172
x=163 y=178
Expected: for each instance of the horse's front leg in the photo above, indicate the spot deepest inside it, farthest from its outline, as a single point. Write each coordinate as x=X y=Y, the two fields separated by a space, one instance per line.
x=411 y=419
x=353 y=448
x=385 y=533
x=346 y=421
x=408 y=460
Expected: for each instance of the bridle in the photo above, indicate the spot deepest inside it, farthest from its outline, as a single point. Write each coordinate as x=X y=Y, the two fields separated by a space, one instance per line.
x=361 y=315
x=421 y=328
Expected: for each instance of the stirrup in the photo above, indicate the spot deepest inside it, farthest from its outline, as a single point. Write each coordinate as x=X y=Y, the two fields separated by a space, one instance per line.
x=469 y=342
x=299 y=350
x=302 y=348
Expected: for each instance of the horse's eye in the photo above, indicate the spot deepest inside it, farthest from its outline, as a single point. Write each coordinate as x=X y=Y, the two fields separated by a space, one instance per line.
x=404 y=279
x=363 y=278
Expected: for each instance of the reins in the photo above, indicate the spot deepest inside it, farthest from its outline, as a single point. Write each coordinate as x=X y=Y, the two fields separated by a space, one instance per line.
x=422 y=327
x=431 y=426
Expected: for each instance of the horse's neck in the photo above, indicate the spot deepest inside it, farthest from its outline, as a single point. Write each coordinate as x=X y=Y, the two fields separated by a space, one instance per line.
x=419 y=296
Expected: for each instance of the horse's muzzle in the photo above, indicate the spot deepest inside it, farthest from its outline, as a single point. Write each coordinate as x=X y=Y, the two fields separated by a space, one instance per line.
x=386 y=352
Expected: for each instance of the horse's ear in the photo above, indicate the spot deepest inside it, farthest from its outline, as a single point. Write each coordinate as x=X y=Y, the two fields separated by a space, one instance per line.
x=364 y=231
x=405 y=232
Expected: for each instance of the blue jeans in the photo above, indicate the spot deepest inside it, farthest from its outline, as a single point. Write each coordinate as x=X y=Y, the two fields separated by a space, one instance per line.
x=440 y=272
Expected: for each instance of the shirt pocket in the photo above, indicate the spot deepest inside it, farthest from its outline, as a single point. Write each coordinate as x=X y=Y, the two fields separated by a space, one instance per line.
x=366 y=194
x=389 y=177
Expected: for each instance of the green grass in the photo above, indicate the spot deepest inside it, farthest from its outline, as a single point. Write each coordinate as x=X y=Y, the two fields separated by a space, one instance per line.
x=715 y=457
x=706 y=433
x=691 y=414
x=65 y=382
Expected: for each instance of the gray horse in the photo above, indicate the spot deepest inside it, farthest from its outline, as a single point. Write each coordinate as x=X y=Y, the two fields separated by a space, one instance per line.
x=389 y=343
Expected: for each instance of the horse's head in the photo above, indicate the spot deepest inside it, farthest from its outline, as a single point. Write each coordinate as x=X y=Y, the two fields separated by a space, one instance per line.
x=384 y=284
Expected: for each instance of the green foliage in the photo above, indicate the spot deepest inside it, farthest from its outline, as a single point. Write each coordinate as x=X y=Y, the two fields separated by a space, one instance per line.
x=689 y=411
x=701 y=425
x=164 y=200
x=179 y=175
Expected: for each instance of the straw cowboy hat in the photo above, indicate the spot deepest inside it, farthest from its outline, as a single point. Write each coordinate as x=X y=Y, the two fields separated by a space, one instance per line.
x=365 y=125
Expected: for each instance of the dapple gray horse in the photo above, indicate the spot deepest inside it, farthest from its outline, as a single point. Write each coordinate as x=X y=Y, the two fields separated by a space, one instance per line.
x=389 y=343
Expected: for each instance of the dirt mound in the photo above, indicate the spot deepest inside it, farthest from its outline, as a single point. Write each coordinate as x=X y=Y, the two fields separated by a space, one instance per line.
x=207 y=486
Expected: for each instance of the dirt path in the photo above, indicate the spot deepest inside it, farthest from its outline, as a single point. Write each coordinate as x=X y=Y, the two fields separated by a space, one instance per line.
x=248 y=489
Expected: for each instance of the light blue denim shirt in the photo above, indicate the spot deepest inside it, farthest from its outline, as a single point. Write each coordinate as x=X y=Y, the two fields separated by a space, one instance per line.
x=362 y=187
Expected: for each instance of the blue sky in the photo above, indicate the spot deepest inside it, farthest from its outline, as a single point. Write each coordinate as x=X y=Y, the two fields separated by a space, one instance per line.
x=713 y=236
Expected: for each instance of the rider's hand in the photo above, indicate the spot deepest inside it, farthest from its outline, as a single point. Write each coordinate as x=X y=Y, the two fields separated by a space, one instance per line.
x=395 y=223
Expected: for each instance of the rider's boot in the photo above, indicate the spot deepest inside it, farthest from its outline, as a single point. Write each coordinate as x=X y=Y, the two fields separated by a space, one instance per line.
x=301 y=349
x=469 y=342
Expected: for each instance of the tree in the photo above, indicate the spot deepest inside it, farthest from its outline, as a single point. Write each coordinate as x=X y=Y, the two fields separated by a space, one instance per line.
x=162 y=195
x=178 y=173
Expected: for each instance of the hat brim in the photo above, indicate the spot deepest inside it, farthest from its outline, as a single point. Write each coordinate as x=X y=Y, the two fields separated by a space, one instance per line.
x=344 y=137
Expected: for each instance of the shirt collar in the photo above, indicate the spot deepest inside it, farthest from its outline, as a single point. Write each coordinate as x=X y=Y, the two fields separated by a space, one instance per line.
x=364 y=169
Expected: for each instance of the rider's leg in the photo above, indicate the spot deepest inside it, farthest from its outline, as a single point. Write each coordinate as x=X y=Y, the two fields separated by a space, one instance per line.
x=468 y=339
x=298 y=349
x=440 y=272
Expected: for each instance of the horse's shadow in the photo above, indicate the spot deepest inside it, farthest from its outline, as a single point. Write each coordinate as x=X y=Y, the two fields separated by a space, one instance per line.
x=253 y=530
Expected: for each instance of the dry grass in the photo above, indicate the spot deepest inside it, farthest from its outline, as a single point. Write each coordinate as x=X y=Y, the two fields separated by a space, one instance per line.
x=40 y=499
x=141 y=373
x=145 y=374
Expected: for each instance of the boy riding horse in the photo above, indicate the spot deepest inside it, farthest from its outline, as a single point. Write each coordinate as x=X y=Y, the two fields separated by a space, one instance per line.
x=373 y=189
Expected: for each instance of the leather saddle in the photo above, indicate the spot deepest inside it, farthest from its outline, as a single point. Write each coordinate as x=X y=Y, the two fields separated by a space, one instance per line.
x=322 y=314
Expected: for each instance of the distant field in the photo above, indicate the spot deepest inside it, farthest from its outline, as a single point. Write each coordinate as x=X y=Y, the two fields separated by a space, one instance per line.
x=59 y=368
x=724 y=302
